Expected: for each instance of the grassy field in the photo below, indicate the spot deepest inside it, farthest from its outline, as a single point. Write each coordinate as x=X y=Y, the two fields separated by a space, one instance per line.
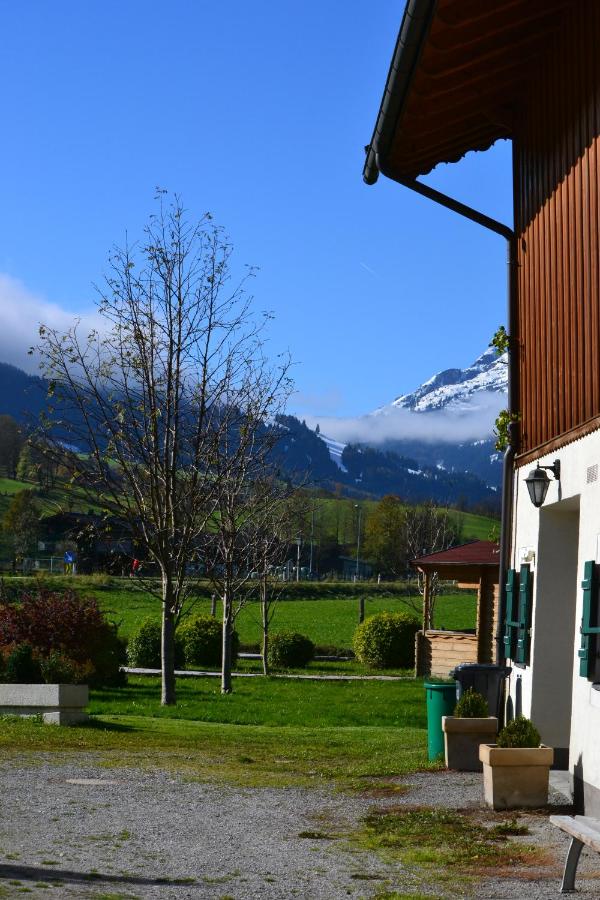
x=267 y=732
x=326 y=612
x=273 y=702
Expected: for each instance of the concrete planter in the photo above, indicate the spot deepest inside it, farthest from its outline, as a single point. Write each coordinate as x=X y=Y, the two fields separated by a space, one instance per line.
x=462 y=738
x=515 y=777
x=59 y=704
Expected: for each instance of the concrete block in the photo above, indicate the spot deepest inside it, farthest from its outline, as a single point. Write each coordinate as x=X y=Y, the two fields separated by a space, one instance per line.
x=60 y=704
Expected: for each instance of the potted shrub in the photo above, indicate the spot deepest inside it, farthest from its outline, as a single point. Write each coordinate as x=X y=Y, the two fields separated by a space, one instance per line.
x=470 y=726
x=516 y=768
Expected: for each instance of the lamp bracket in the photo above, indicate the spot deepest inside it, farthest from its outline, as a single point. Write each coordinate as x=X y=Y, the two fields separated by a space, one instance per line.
x=554 y=468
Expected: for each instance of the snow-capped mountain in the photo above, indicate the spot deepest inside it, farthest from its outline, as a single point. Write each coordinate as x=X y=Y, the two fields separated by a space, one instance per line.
x=457 y=388
x=441 y=406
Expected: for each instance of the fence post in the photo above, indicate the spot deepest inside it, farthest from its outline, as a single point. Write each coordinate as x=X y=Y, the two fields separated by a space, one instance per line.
x=361 y=609
x=213 y=605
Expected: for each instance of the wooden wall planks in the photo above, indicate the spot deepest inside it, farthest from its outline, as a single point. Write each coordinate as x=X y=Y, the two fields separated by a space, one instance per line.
x=557 y=157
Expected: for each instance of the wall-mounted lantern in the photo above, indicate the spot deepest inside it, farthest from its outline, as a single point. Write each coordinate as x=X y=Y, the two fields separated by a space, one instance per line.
x=537 y=482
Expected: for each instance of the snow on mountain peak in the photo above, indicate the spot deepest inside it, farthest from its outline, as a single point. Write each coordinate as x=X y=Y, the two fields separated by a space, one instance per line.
x=457 y=389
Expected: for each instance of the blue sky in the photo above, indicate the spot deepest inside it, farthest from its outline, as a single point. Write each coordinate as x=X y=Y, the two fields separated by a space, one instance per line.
x=259 y=113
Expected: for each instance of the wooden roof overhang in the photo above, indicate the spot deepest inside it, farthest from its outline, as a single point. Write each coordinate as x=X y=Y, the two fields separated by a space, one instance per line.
x=457 y=75
x=465 y=563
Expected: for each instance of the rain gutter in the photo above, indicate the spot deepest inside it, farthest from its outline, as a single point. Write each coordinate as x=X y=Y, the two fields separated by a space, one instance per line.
x=413 y=32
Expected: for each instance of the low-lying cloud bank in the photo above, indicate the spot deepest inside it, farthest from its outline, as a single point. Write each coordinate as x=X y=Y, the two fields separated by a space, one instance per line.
x=21 y=314
x=469 y=423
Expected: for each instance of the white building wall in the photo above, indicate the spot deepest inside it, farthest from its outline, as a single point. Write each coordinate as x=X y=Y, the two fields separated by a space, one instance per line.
x=557 y=540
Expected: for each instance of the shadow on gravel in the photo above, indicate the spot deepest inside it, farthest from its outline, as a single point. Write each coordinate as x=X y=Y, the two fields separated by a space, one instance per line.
x=42 y=873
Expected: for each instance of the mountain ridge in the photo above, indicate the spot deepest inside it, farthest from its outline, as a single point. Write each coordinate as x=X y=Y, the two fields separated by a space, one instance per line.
x=304 y=457
x=477 y=391
x=450 y=388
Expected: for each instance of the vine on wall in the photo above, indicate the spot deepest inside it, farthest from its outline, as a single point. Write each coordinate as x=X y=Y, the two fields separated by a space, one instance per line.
x=501 y=342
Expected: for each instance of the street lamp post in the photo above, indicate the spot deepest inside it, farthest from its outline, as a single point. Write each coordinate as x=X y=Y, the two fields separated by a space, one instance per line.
x=356 y=506
x=299 y=543
x=312 y=534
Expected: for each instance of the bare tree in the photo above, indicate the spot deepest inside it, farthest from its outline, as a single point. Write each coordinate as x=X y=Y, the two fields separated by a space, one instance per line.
x=144 y=398
x=244 y=471
x=429 y=528
x=273 y=534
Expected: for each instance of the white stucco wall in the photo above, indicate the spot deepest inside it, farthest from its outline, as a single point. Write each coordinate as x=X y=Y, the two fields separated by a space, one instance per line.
x=559 y=539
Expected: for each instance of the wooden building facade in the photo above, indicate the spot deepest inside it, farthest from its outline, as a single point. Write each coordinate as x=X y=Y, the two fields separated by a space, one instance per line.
x=465 y=74
x=557 y=224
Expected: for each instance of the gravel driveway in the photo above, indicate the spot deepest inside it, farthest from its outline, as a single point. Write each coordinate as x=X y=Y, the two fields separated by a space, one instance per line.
x=69 y=827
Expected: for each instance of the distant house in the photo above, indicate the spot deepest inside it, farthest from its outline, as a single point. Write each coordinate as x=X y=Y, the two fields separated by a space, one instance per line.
x=101 y=544
x=463 y=76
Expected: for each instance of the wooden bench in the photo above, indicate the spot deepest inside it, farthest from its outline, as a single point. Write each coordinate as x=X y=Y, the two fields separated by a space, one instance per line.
x=583 y=830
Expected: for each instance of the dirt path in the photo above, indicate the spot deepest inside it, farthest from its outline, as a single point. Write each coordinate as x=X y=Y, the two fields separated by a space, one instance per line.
x=70 y=827
x=200 y=673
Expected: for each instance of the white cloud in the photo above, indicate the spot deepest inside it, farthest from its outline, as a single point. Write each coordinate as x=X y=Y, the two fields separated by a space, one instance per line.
x=471 y=422
x=21 y=313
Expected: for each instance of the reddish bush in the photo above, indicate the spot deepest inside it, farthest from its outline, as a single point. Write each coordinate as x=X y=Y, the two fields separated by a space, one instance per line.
x=63 y=624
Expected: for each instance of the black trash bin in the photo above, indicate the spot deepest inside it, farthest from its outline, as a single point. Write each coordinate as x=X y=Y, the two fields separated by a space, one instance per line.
x=484 y=678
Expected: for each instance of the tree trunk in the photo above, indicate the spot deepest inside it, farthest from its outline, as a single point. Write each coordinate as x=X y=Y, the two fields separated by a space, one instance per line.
x=167 y=648
x=226 y=660
x=265 y=639
x=265 y=628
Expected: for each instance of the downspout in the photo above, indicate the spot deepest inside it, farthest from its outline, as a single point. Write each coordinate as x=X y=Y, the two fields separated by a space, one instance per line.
x=508 y=462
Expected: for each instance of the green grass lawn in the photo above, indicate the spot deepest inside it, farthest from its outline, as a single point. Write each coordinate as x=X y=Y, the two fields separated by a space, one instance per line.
x=273 y=702
x=267 y=732
x=10 y=486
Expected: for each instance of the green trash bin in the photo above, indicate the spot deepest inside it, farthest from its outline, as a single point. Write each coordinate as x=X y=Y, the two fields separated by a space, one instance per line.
x=441 y=700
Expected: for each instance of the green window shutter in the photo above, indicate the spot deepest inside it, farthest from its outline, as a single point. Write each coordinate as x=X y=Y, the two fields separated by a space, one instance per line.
x=510 y=622
x=524 y=616
x=589 y=619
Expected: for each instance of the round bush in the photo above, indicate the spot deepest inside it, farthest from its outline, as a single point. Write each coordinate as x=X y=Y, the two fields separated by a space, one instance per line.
x=290 y=650
x=386 y=641
x=472 y=705
x=521 y=732
x=143 y=648
x=202 y=640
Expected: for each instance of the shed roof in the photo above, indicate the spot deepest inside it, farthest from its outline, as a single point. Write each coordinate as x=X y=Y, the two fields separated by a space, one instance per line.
x=459 y=70
x=473 y=553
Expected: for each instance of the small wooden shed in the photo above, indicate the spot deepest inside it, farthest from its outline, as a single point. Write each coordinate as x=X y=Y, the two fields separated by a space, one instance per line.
x=471 y=565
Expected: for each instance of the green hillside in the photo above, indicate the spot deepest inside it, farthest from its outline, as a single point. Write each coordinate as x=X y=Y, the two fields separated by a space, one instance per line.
x=339 y=517
x=329 y=521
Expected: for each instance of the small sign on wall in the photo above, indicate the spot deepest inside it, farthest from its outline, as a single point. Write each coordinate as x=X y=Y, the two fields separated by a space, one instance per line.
x=527 y=556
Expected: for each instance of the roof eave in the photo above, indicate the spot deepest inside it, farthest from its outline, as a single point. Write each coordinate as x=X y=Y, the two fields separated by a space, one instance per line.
x=414 y=29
